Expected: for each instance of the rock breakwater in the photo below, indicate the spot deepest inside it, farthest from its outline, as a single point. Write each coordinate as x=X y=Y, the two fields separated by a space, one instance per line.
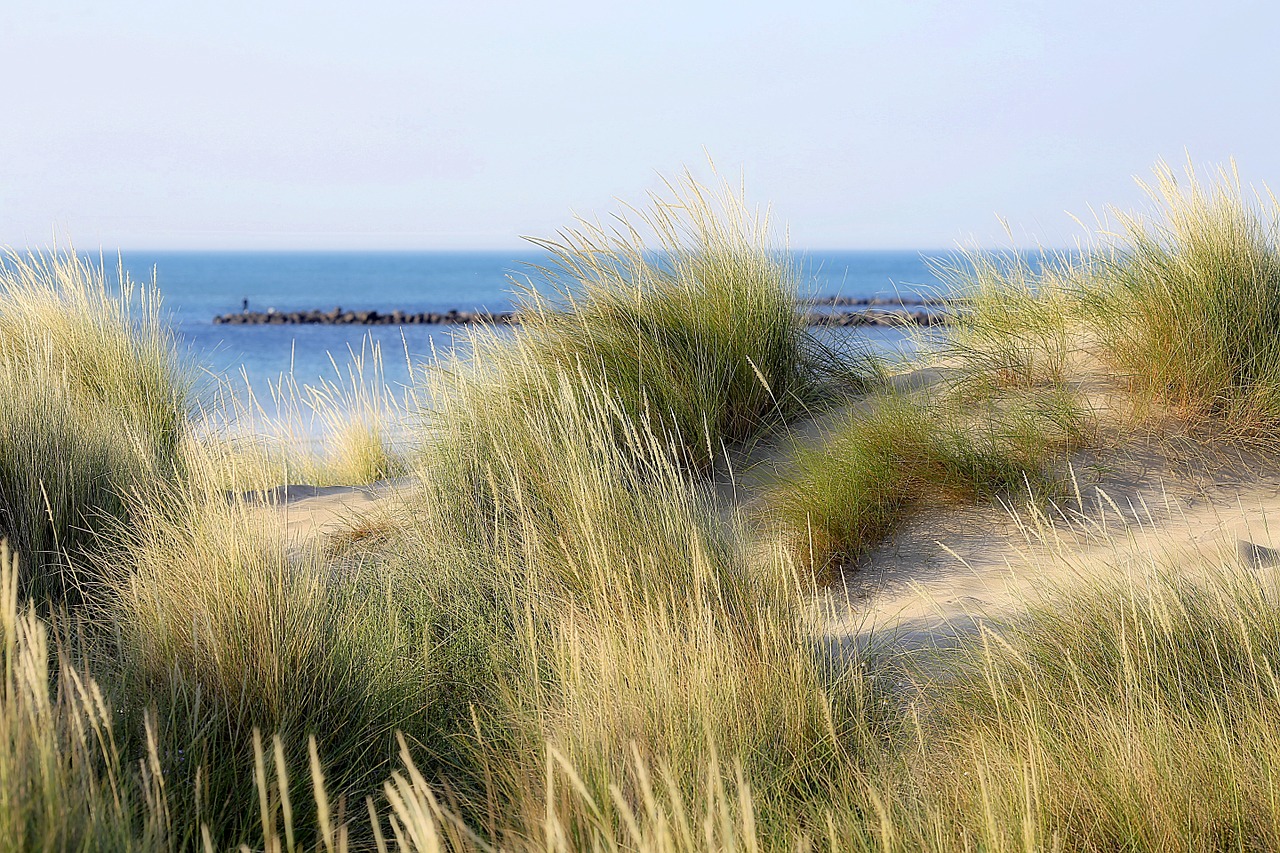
x=341 y=317
x=873 y=313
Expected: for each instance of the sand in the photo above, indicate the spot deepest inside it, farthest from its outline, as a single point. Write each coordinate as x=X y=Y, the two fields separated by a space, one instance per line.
x=311 y=515
x=946 y=573
x=1142 y=506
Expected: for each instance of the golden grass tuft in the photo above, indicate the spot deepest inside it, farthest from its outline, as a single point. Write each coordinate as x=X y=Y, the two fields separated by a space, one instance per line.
x=95 y=400
x=1189 y=302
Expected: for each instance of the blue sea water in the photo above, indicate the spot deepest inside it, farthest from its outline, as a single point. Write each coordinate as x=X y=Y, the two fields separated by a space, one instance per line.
x=196 y=286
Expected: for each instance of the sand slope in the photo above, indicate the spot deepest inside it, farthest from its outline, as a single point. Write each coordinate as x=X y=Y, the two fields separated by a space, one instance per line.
x=1135 y=513
x=1140 y=506
x=313 y=514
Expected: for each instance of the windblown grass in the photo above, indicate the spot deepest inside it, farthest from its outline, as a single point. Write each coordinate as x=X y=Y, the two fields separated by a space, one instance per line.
x=564 y=643
x=225 y=631
x=896 y=453
x=67 y=781
x=999 y=420
x=347 y=429
x=1133 y=716
x=631 y=630
x=1180 y=303
x=1190 y=308
x=1017 y=320
x=95 y=401
x=1142 y=716
x=686 y=311
x=63 y=785
x=1138 y=717
x=573 y=551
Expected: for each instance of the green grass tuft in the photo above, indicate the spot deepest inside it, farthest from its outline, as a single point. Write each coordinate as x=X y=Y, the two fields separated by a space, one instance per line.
x=95 y=403
x=685 y=311
x=224 y=629
x=1016 y=323
x=893 y=453
x=1142 y=717
x=1189 y=307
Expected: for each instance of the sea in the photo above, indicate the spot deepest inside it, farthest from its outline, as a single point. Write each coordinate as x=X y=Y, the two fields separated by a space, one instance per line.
x=197 y=286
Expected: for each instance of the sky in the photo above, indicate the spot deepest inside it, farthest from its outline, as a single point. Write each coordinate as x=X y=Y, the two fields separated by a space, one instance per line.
x=465 y=125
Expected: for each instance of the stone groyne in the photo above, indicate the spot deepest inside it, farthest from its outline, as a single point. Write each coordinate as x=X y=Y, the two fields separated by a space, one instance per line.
x=342 y=317
x=871 y=312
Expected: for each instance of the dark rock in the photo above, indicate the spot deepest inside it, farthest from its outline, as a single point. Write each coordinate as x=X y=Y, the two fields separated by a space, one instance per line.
x=874 y=312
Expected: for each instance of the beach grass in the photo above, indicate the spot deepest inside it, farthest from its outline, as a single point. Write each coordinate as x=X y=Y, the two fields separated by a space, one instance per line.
x=628 y=625
x=1134 y=714
x=226 y=628
x=63 y=783
x=686 y=309
x=1189 y=301
x=898 y=453
x=347 y=428
x=561 y=637
x=1018 y=318
x=1139 y=713
x=96 y=399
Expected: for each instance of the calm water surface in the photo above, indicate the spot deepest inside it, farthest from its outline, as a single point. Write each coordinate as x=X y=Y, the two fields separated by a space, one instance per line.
x=199 y=285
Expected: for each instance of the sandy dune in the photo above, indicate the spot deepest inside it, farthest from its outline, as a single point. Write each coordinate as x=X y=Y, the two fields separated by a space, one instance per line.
x=946 y=571
x=1136 y=508
x=310 y=513
x=1135 y=514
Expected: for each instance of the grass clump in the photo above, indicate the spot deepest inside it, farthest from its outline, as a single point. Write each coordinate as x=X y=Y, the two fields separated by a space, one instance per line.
x=1141 y=717
x=688 y=315
x=1181 y=303
x=1189 y=307
x=577 y=560
x=624 y=627
x=64 y=784
x=999 y=416
x=95 y=402
x=346 y=429
x=895 y=453
x=224 y=630
x=560 y=472
x=1017 y=320
x=73 y=778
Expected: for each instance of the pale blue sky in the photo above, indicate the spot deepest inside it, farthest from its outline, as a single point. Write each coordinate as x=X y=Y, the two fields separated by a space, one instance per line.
x=379 y=124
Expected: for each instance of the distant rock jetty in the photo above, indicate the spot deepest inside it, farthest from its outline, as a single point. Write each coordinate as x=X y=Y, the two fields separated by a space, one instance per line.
x=342 y=317
x=918 y=317
x=878 y=301
x=872 y=312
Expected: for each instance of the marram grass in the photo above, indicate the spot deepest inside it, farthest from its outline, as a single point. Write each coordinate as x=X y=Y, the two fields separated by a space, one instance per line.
x=1017 y=319
x=1134 y=715
x=686 y=310
x=224 y=629
x=897 y=453
x=1190 y=304
x=562 y=644
x=95 y=400
x=345 y=429
x=627 y=626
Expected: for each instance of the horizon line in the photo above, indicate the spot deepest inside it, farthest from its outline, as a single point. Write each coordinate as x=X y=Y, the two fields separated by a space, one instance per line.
x=532 y=250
